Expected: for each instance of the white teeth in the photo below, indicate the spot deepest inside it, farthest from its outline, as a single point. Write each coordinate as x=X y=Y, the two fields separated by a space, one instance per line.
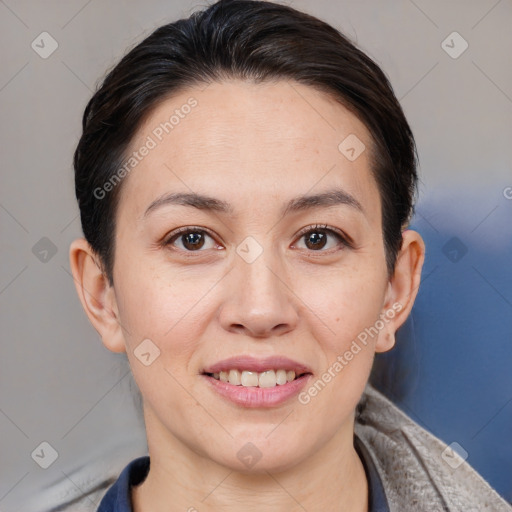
x=266 y=379
x=234 y=377
x=281 y=377
x=249 y=379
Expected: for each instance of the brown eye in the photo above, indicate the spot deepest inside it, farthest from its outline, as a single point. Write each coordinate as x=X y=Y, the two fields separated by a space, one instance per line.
x=190 y=239
x=316 y=240
x=318 y=237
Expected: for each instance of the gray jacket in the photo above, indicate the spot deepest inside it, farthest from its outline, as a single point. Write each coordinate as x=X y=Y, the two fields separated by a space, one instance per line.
x=417 y=470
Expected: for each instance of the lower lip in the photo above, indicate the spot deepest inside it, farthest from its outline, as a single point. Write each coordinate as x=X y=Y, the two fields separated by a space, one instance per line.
x=255 y=396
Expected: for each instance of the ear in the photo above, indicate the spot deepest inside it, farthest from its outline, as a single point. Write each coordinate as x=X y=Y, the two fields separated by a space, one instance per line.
x=96 y=295
x=402 y=288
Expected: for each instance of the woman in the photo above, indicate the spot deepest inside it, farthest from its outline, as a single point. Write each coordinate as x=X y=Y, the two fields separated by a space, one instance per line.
x=245 y=180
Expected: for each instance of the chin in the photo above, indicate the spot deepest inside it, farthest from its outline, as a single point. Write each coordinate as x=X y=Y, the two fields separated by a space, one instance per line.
x=254 y=458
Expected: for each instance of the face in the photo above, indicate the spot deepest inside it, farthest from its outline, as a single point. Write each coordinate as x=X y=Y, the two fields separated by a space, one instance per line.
x=257 y=273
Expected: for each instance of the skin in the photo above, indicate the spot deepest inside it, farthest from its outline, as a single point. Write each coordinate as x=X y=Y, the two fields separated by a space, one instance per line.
x=255 y=146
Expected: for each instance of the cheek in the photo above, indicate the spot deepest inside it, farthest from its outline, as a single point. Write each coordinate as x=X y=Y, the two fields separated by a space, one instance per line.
x=156 y=303
x=347 y=312
x=344 y=303
x=171 y=309
x=342 y=311
x=167 y=312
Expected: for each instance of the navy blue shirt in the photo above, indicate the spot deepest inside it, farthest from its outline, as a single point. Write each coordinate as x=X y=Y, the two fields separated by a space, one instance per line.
x=377 y=501
x=118 y=497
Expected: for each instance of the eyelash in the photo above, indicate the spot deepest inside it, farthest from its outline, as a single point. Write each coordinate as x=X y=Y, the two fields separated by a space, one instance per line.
x=344 y=240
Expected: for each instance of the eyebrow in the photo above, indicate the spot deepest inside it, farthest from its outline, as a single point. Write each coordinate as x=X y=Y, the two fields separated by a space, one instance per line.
x=325 y=199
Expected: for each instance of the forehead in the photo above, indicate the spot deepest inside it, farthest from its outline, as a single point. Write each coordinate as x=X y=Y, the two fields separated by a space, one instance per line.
x=238 y=139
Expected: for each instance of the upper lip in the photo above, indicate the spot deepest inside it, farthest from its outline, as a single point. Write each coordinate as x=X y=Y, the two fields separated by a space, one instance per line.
x=249 y=363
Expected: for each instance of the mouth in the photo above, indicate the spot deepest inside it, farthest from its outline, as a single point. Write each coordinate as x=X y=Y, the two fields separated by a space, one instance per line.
x=249 y=371
x=256 y=382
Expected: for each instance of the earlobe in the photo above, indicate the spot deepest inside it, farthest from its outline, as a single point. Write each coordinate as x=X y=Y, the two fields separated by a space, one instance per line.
x=95 y=294
x=402 y=288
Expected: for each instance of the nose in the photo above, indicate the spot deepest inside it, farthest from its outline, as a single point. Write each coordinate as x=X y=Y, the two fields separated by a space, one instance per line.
x=260 y=302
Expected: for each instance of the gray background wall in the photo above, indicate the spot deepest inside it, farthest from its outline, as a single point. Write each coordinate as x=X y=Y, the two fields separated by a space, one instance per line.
x=58 y=384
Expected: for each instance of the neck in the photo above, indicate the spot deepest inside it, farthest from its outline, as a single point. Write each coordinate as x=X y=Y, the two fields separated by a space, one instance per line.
x=179 y=479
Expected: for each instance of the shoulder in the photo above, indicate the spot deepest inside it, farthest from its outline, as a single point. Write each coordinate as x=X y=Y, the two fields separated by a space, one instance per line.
x=410 y=462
